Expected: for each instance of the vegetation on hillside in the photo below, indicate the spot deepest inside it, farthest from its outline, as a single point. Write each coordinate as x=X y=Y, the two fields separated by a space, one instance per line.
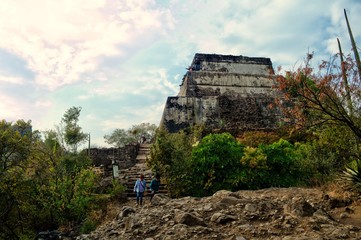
x=121 y=137
x=45 y=183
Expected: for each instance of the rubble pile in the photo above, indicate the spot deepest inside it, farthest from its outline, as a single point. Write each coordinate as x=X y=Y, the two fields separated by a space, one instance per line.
x=276 y=213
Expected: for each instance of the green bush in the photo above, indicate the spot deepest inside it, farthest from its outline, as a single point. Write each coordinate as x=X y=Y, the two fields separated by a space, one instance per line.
x=88 y=226
x=254 y=169
x=215 y=164
x=218 y=161
x=317 y=163
x=169 y=156
x=282 y=162
x=327 y=153
x=117 y=189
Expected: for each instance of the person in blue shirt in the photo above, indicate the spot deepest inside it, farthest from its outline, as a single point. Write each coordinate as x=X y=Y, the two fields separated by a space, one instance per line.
x=154 y=186
x=139 y=188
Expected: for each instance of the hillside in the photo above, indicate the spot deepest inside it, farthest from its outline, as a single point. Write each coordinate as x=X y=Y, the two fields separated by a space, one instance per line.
x=276 y=213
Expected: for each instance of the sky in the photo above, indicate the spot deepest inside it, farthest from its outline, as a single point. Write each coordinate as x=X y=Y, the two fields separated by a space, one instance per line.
x=119 y=60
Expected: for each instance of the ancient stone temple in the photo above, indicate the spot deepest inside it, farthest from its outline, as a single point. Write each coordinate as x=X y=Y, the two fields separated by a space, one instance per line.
x=225 y=92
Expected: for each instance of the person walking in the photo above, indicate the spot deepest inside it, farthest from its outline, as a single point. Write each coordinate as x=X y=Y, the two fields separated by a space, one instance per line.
x=139 y=188
x=154 y=186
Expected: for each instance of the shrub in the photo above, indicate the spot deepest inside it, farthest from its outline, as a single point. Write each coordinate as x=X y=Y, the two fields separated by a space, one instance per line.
x=117 y=190
x=87 y=226
x=282 y=162
x=351 y=176
x=215 y=164
x=328 y=151
x=169 y=157
x=316 y=162
x=254 y=169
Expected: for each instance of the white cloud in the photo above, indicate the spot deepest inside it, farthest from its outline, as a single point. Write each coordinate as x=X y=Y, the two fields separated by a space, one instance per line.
x=12 y=80
x=43 y=103
x=60 y=40
x=120 y=59
x=10 y=108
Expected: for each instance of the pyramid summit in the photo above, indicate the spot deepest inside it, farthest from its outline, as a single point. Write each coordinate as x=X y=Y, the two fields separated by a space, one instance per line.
x=226 y=92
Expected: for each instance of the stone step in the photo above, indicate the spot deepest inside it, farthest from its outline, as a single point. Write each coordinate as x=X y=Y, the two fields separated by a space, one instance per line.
x=130 y=186
x=144 y=151
x=129 y=176
x=133 y=194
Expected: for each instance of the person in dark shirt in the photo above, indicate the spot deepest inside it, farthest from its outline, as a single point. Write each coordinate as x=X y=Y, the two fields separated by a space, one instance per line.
x=154 y=186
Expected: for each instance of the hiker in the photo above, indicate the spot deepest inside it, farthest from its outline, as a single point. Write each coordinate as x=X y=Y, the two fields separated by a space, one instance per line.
x=142 y=139
x=154 y=186
x=139 y=188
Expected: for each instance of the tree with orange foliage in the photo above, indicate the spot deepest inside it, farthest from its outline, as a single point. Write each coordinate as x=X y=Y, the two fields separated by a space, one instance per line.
x=331 y=95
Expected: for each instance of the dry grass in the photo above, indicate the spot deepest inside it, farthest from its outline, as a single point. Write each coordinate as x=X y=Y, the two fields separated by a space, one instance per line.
x=111 y=211
x=338 y=189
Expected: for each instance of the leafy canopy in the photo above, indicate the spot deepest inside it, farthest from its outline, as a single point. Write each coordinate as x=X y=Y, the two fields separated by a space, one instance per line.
x=330 y=95
x=121 y=137
x=73 y=134
x=170 y=157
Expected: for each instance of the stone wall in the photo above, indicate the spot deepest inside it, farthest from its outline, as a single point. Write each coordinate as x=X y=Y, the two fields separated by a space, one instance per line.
x=198 y=84
x=124 y=157
x=231 y=64
x=232 y=93
x=248 y=113
x=220 y=112
x=182 y=112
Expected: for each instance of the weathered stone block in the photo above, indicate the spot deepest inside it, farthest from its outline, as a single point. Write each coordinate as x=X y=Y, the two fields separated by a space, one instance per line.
x=231 y=93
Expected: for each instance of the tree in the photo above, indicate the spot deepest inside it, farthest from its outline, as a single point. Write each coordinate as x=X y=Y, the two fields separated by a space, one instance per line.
x=73 y=135
x=323 y=97
x=16 y=142
x=121 y=137
x=71 y=182
x=43 y=186
x=170 y=157
x=144 y=129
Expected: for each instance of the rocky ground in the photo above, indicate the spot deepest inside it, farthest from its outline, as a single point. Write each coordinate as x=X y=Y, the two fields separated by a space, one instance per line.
x=277 y=213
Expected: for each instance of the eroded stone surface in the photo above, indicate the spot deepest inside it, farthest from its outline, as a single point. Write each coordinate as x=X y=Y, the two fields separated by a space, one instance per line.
x=226 y=92
x=292 y=213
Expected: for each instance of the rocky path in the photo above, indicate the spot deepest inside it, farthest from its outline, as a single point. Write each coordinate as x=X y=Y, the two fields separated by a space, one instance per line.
x=277 y=213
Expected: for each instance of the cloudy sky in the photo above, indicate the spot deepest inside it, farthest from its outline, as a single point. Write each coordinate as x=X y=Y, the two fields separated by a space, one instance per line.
x=120 y=59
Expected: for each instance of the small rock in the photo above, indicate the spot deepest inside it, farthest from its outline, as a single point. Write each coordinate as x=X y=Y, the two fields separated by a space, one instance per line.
x=229 y=200
x=349 y=210
x=240 y=238
x=340 y=234
x=208 y=207
x=221 y=193
x=300 y=207
x=160 y=199
x=344 y=215
x=222 y=218
x=245 y=226
x=126 y=210
x=250 y=207
x=189 y=219
x=322 y=216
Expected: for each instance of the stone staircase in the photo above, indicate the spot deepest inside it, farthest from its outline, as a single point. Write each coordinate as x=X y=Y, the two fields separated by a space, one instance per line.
x=129 y=176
